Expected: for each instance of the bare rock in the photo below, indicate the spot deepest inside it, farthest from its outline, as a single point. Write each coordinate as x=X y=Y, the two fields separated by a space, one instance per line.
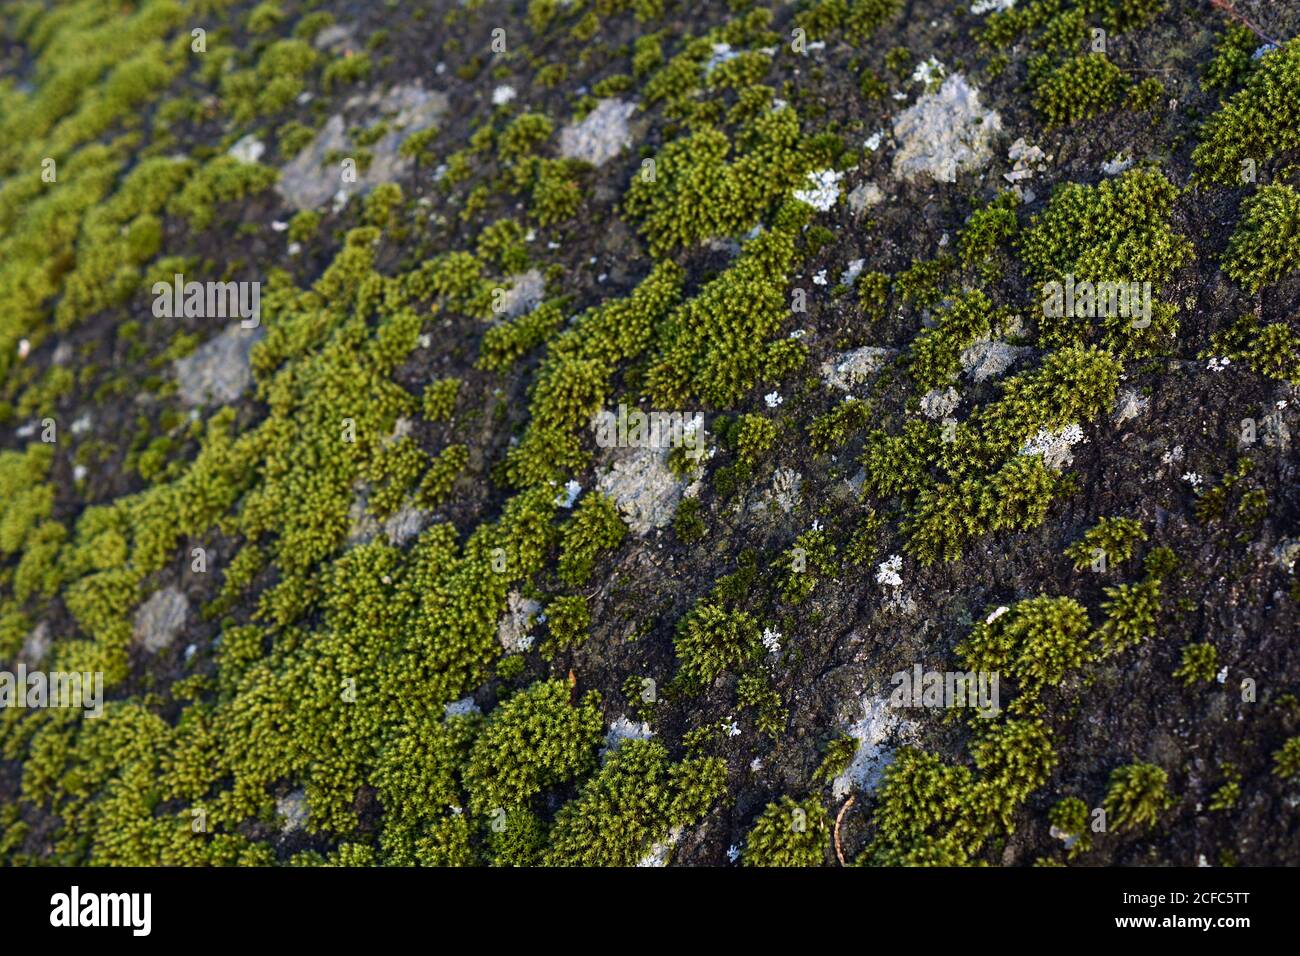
x=848 y=370
x=306 y=182
x=160 y=619
x=602 y=135
x=218 y=371
x=944 y=133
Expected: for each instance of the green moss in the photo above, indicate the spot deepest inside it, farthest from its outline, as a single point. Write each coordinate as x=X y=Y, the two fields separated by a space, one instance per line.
x=923 y=814
x=857 y=19
x=987 y=230
x=273 y=84
x=573 y=382
x=221 y=180
x=1070 y=816
x=569 y=620
x=936 y=352
x=756 y=692
x=1200 y=664
x=505 y=344
x=303 y=226
x=1229 y=793
x=697 y=194
x=1286 y=760
x=632 y=803
x=1111 y=539
x=753 y=437
x=264 y=18
x=1119 y=231
x=1080 y=88
x=787 y=833
x=517 y=839
x=25 y=497
x=837 y=426
x=836 y=758
x=1259 y=122
x=711 y=641
x=1038 y=643
x=1131 y=612
x=922 y=283
x=1265 y=246
x=716 y=346
x=1136 y=796
x=805 y=562
x=534 y=741
x=345 y=71
x=1232 y=58
x=596 y=526
x=439 y=401
x=687 y=523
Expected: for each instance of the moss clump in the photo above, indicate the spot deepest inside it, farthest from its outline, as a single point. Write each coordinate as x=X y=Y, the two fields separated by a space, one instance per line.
x=804 y=563
x=1119 y=231
x=837 y=426
x=569 y=620
x=753 y=437
x=717 y=345
x=1137 y=795
x=755 y=691
x=574 y=380
x=631 y=804
x=505 y=344
x=984 y=233
x=687 y=523
x=1286 y=760
x=1259 y=122
x=836 y=758
x=1131 y=612
x=711 y=641
x=345 y=71
x=439 y=401
x=936 y=352
x=1232 y=61
x=517 y=838
x=1111 y=540
x=279 y=76
x=857 y=19
x=1265 y=246
x=1229 y=793
x=1079 y=89
x=1037 y=643
x=443 y=471
x=534 y=741
x=1070 y=817
x=787 y=833
x=1200 y=664
x=696 y=194
x=595 y=527
x=220 y=180
x=924 y=814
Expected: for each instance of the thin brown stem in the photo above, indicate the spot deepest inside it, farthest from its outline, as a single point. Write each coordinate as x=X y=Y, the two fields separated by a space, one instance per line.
x=1233 y=12
x=838 y=817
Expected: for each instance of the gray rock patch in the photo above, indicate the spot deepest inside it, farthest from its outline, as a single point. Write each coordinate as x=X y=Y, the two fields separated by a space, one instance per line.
x=989 y=358
x=514 y=626
x=944 y=133
x=602 y=134
x=218 y=371
x=645 y=490
x=306 y=182
x=293 y=810
x=525 y=294
x=160 y=619
x=848 y=370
